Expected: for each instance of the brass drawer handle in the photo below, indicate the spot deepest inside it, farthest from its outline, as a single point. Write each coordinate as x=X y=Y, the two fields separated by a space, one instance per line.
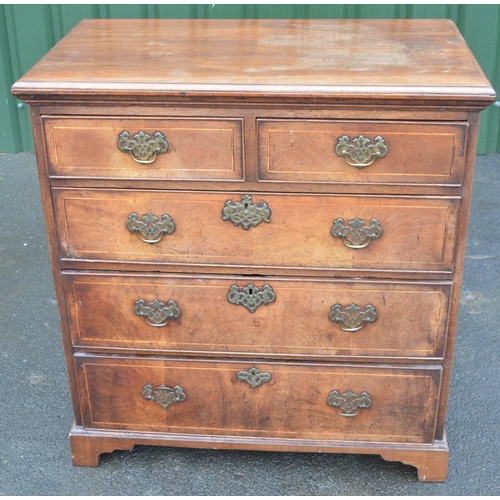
x=251 y=296
x=148 y=229
x=353 y=319
x=164 y=395
x=354 y=235
x=156 y=313
x=253 y=377
x=245 y=212
x=361 y=153
x=142 y=148
x=349 y=404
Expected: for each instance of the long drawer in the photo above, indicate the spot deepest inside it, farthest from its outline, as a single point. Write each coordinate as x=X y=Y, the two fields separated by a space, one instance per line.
x=273 y=317
x=331 y=402
x=361 y=151
x=186 y=148
x=302 y=231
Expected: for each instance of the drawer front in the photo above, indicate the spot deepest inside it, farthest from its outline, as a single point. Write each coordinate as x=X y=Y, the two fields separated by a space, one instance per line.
x=293 y=318
x=397 y=233
x=265 y=399
x=420 y=153
x=191 y=148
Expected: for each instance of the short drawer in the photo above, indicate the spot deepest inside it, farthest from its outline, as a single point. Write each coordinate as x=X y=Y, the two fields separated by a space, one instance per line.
x=325 y=232
x=329 y=402
x=186 y=149
x=233 y=316
x=361 y=151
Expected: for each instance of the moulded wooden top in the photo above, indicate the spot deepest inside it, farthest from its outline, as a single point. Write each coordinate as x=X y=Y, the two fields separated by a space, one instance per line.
x=426 y=60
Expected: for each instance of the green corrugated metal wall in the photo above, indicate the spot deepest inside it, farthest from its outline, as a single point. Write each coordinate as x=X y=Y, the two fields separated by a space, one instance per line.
x=27 y=32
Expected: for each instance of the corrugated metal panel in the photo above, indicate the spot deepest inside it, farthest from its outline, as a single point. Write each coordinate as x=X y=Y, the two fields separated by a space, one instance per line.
x=27 y=32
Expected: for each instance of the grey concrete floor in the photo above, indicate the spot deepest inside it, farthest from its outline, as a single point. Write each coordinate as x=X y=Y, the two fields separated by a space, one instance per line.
x=36 y=414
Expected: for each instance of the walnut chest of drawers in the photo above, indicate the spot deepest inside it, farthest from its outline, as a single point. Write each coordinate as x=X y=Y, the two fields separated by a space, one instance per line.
x=257 y=230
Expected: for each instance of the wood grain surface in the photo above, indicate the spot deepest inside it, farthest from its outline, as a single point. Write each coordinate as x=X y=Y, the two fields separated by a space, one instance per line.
x=101 y=309
x=292 y=404
x=418 y=233
x=295 y=150
x=252 y=58
x=197 y=148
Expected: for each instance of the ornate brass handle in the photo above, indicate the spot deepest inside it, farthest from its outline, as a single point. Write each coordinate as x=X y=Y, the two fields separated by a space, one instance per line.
x=354 y=235
x=253 y=377
x=142 y=148
x=250 y=296
x=148 y=229
x=353 y=318
x=361 y=153
x=245 y=212
x=164 y=395
x=349 y=404
x=156 y=313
